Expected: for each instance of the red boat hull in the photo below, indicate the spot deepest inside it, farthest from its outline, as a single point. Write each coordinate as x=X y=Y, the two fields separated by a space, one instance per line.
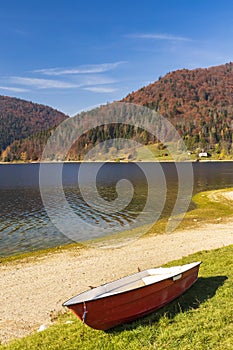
x=110 y=311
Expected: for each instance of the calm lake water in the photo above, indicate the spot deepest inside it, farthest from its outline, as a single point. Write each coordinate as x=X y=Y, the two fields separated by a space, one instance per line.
x=25 y=224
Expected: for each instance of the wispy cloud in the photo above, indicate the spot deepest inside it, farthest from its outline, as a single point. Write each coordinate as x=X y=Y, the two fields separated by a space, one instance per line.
x=91 y=77
x=13 y=89
x=90 y=83
x=85 y=69
x=97 y=80
x=159 y=36
x=43 y=83
x=100 y=89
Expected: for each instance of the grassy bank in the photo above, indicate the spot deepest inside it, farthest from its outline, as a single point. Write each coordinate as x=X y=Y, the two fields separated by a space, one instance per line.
x=200 y=319
x=207 y=207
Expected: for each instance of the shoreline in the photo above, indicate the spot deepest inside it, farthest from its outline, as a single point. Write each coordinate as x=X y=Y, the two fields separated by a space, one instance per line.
x=122 y=238
x=33 y=291
x=121 y=161
x=220 y=195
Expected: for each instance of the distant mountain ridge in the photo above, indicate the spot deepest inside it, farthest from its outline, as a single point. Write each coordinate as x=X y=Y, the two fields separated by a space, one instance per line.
x=198 y=102
x=20 y=119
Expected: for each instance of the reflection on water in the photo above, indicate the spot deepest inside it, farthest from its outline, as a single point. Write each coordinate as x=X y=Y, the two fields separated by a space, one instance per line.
x=25 y=225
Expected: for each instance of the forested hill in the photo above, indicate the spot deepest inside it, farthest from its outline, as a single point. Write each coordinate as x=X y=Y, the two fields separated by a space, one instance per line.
x=198 y=102
x=20 y=119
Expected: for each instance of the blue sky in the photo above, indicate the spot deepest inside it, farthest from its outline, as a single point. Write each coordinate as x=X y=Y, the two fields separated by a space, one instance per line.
x=74 y=55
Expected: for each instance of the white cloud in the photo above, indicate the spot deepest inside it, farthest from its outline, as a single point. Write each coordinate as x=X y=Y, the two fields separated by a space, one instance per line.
x=88 y=82
x=83 y=82
x=43 y=83
x=97 y=80
x=13 y=89
x=100 y=89
x=159 y=36
x=85 y=69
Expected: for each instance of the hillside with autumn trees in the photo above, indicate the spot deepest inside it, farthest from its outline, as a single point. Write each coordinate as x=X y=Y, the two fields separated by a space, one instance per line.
x=198 y=102
x=23 y=122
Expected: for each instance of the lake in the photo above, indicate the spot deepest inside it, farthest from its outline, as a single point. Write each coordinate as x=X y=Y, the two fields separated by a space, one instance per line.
x=27 y=223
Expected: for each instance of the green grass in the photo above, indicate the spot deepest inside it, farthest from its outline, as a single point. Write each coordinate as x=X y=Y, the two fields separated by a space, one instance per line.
x=152 y=152
x=202 y=318
x=207 y=207
x=167 y=153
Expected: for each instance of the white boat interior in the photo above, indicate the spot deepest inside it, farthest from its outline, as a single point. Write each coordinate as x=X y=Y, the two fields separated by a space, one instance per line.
x=131 y=282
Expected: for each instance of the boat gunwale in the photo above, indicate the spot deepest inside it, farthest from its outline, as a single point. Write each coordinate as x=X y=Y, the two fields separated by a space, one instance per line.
x=102 y=296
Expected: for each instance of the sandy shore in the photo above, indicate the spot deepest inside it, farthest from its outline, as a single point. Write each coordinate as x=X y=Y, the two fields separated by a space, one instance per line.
x=32 y=291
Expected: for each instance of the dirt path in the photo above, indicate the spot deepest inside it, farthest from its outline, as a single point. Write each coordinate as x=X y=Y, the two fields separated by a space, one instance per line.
x=31 y=291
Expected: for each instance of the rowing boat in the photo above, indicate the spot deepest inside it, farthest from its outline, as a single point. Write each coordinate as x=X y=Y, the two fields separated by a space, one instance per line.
x=133 y=296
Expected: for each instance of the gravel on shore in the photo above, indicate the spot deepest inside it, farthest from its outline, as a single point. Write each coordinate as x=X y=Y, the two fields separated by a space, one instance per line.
x=32 y=291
